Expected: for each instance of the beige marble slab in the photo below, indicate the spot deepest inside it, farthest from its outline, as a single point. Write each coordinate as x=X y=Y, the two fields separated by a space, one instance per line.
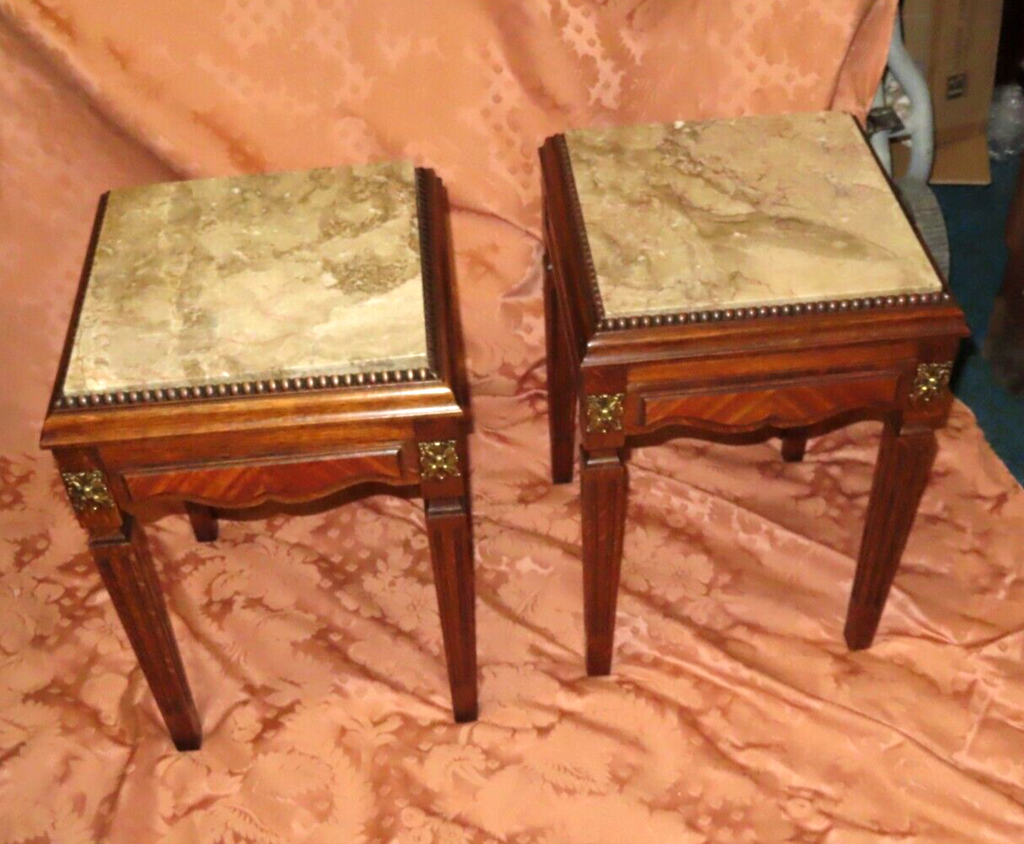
x=743 y=212
x=253 y=277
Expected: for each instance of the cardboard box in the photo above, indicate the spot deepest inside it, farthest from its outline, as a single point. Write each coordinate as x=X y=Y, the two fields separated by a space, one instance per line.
x=957 y=163
x=955 y=43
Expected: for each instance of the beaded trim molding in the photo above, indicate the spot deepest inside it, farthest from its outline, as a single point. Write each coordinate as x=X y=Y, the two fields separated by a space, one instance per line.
x=734 y=314
x=297 y=384
x=606 y=323
x=271 y=386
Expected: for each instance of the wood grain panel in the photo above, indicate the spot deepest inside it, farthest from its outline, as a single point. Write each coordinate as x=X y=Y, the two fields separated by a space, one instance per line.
x=782 y=405
x=245 y=484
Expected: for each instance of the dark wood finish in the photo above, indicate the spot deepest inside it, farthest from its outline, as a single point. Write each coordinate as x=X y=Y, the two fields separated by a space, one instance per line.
x=240 y=484
x=787 y=371
x=901 y=473
x=290 y=442
x=127 y=570
x=739 y=407
x=203 y=520
x=562 y=396
x=794 y=444
x=603 y=495
x=451 y=552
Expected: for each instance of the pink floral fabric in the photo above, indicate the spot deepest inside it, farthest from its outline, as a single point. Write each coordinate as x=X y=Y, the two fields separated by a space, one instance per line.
x=312 y=641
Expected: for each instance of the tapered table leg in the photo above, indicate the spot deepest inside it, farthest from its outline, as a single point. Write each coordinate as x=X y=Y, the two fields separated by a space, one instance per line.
x=603 y=481
x=562 y=398
x=904 y=462
x=451 y=552
x=204 y=521
x=794 y=444
x=127 y=570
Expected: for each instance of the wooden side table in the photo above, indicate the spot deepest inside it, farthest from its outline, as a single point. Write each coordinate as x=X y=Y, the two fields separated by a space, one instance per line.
x=733 y=279
x=264 y=338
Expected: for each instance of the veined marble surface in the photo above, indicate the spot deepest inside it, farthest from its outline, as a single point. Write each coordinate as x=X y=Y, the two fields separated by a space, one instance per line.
x=742 y=212
x=253 y=277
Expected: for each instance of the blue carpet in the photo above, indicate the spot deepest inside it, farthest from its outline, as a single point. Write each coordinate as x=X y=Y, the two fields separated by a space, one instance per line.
x=976 y=217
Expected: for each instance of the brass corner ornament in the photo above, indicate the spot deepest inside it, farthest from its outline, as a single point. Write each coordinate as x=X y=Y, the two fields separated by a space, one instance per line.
x=604 y=412
x=930 y=382
x=87 y=490
x=439 y=460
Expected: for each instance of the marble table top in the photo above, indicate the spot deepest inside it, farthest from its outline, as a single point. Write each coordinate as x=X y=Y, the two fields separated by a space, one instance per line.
x=253 y=277
x=742 y=212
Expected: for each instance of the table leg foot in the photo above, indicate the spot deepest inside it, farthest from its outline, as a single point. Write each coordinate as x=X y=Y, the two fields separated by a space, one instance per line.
x=904 y=462
x=203 y=520
x=127 y=570
x=451 y=552
x=794 y=444
x=603 y=481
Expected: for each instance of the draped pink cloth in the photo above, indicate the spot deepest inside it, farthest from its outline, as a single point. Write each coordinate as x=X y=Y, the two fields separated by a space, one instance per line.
x=734 y=714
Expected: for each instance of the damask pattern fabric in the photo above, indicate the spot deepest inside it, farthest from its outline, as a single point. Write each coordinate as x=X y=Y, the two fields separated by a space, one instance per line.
x=312 y=640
